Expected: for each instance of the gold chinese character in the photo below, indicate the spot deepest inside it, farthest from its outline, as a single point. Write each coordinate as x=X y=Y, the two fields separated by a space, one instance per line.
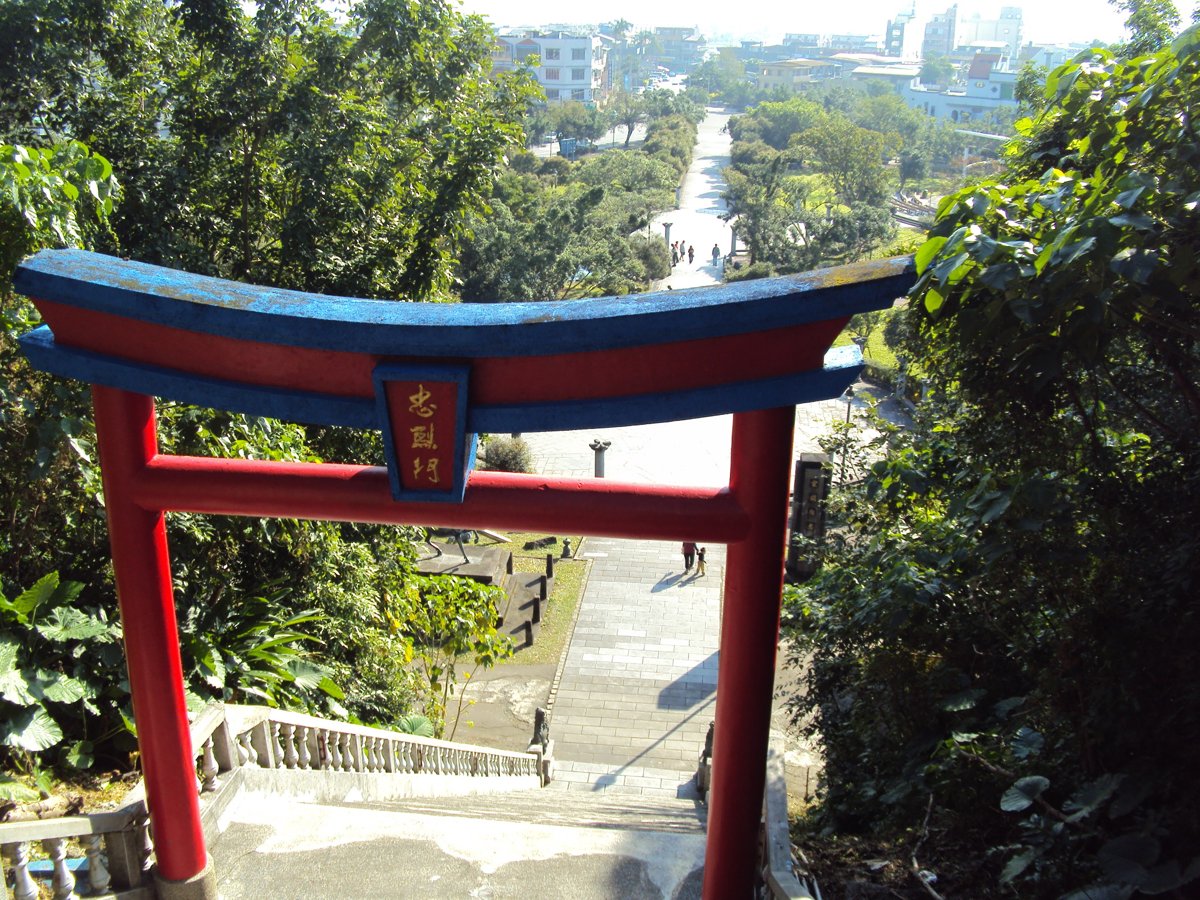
x=419 y=405
x=422 y=437
x=429 y=467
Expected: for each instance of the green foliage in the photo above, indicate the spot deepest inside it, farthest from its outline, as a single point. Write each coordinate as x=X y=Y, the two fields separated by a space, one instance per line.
x=672 y=139
x=444 y=620
x=1030 y=89
x=419 y=725
x=251 y=650
x=507 y=454
x=53 y=196
x=1005 y=619
x=850 y=157
x=1151 y=25
x=61 y=677
x=281 y=147
x=937 y=70
x=750 y=272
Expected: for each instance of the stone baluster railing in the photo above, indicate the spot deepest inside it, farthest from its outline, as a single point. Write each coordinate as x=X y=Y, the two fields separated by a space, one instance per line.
x=273 y=739
x=115 y=845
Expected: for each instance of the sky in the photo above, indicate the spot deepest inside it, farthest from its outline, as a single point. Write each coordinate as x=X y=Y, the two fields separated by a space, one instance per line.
x=1046 y=21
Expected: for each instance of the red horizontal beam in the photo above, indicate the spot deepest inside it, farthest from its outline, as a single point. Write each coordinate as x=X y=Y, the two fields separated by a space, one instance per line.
x=347 y=493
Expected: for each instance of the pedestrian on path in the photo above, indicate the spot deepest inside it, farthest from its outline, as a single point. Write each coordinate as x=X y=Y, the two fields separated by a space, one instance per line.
x=674 y=256
x=692 y=253
x=700 y=569
x=716 y=254
x=689 y=555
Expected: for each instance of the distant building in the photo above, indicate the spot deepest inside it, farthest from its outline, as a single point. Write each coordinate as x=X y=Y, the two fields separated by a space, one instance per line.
x=1004 y=30
x=571 y=66
x=938 y=39
x=987 y=89
x=1049 y=55
x=794 y=74
x=903 y=36
x=808 y=46
x=680 y=49
x=898 y=76
x=855 y=43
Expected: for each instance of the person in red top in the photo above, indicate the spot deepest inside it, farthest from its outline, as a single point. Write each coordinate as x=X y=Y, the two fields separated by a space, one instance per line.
x=689 y=555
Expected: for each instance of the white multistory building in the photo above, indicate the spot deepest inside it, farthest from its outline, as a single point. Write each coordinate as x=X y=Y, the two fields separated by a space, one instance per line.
x=569 y=66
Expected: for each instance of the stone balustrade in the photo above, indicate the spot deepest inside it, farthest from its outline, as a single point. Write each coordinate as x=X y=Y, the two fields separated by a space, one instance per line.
x=225 y=740
x=277 y=739
x=116 y=845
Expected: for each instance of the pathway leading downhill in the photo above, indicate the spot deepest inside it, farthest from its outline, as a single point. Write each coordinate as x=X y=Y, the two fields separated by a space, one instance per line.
x=698 y=220
x=638 y=687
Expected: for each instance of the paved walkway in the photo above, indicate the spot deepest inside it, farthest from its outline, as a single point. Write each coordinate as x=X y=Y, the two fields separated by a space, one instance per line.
x=698 y=220
x=638 y=687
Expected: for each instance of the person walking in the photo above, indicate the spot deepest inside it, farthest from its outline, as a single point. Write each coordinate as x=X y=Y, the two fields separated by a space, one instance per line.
x=700 y=568
x=689 y=555
x=692 y=253
x=716 y=254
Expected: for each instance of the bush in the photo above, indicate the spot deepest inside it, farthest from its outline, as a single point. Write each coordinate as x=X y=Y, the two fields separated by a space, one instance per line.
x=754 y=270
x=501 y=454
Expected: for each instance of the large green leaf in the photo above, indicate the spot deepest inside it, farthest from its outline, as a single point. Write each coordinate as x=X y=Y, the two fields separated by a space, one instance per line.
x=17 y=791
x=67 y=624
x=23 y=608
x=63 y=688
x=32 y=730
x=1022 y=794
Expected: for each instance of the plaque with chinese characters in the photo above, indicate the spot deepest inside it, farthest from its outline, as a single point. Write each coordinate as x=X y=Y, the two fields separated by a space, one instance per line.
x=422 y=413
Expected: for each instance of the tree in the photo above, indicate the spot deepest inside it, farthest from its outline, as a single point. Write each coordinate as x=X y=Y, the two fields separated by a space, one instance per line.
x=629 y=112
x=1151 y=25
x=1001 y=626
x=1030 y=91
x=576 y=120
x=936 y=71
x=281 y=148
x=913 y=166
x=852 y=158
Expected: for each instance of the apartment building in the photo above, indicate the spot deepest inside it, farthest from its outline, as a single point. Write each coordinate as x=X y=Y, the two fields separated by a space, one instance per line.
x=570 y=66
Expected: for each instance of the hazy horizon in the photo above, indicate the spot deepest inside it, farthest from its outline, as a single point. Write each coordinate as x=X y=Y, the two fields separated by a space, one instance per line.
x=1065 y=21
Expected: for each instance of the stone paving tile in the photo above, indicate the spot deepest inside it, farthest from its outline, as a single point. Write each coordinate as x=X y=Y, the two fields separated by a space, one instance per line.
x=641 y=780
x=638 y=685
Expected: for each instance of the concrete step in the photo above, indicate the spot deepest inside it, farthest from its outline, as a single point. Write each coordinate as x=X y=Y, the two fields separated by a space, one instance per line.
x=275 y=847
x=603 y=809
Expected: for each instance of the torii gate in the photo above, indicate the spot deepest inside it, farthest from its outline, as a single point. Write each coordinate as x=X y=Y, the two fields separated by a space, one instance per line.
x=431 y=377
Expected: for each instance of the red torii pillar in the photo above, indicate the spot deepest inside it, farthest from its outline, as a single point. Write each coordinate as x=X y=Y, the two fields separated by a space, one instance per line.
x=135 y=331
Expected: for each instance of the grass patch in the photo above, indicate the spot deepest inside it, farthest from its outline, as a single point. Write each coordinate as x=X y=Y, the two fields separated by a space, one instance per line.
x=564 y=598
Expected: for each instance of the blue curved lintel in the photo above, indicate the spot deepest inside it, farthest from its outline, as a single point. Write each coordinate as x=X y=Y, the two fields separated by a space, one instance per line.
x=231 y=309
x=841 y=366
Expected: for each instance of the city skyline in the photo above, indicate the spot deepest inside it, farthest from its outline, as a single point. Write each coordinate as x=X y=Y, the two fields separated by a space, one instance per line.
x=1062 y=22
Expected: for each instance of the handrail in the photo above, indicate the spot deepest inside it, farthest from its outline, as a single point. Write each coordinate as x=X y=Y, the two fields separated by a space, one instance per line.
x=115 y=842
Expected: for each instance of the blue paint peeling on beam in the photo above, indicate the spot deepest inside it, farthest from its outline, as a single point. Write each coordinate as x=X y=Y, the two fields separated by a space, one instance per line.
x=231 y=309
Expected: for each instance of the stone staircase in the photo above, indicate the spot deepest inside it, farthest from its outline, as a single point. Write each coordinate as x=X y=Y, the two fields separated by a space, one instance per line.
x=520 y=844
